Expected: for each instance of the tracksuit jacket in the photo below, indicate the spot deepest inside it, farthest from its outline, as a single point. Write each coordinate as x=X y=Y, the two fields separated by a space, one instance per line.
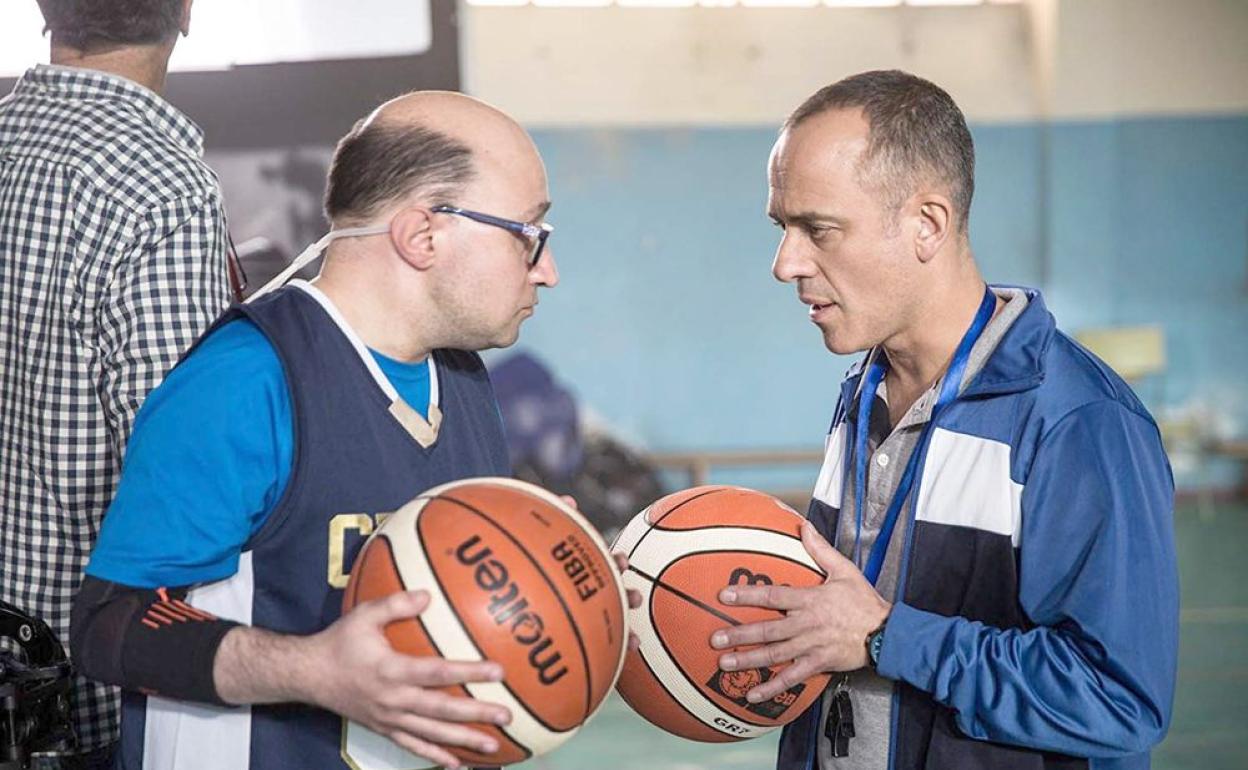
x=1036 y=615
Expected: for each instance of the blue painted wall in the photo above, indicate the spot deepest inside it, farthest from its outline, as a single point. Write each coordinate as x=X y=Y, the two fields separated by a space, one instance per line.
x=668 y=323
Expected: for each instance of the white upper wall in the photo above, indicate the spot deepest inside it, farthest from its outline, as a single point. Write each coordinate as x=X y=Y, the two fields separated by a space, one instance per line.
x=627 y=66
x=1151 y=56
x=662 y=66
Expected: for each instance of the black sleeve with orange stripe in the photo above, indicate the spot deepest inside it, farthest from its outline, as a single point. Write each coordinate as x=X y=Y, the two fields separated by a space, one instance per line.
x=145 y=639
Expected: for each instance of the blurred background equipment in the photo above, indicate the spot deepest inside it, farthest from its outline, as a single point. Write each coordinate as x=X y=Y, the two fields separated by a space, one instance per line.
x=34 y=692
x=1134 y=352
x=550 y=447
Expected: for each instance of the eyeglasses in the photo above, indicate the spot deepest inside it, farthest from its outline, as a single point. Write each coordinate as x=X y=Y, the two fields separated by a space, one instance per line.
x=534 y=233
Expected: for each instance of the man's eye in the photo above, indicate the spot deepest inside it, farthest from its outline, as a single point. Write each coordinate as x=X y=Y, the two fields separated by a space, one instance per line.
x=778 y=223
x=817 y=231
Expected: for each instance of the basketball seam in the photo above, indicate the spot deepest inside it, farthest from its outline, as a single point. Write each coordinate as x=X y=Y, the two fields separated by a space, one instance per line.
x=669 y=512
x=471 y=638
x=769 y=554
x=580 y=643
x=658 y=581
x=725 y=526
x=659 y=681
x=696 y=686
x=587 y=527
x=434 y=643
x=689 y=599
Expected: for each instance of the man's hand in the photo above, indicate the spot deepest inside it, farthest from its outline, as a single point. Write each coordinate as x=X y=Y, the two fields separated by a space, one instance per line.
x=825 y=628
x=351 y=669
x=634 y=596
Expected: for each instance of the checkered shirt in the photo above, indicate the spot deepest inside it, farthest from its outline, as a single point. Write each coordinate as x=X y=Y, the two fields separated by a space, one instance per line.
x=112 y=262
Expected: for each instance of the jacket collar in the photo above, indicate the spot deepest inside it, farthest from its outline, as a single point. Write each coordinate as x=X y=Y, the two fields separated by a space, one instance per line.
x=1018 y=362
x=1016 y=365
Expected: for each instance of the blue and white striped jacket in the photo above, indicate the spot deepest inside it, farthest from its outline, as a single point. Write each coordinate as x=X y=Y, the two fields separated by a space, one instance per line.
x=1036 y=617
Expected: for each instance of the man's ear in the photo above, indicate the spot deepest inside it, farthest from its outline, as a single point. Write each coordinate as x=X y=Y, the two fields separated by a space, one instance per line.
x=411 y=234
x=935 y=219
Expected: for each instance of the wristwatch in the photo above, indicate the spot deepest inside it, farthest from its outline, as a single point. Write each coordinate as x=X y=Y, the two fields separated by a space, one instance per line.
x=875 y=643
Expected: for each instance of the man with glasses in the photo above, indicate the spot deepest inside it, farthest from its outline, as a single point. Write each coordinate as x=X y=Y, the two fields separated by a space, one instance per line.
x=277 y=445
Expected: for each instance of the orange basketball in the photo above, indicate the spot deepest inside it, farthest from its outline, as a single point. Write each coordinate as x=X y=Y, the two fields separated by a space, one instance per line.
x=515 y=576
x=682 y=551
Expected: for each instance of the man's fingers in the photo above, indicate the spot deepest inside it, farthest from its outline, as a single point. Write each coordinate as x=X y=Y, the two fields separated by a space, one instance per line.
x=772 y=597
x=827 y=557
x=456 y=708
x=570 y=501
x=797 y=673
x=634 y=641
x=444 y=733
x=396 y=606
x=764 y=632
x=760 y=657
x=439 y=672
x=426 y=750
x=621 y=563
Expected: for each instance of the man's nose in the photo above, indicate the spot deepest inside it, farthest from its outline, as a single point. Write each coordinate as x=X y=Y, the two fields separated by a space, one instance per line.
x=546 y=272
x=790 y=263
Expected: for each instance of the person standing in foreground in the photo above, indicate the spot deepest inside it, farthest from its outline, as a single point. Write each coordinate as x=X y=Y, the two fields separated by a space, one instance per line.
x=1002 y=589
x=297 y=422
x=301 y=419
x=112 y=262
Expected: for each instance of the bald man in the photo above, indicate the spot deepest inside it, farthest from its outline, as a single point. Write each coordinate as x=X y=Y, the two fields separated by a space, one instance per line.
x=259 y=466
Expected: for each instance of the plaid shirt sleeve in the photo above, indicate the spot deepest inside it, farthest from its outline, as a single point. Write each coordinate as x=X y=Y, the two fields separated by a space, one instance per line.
x=161 y=298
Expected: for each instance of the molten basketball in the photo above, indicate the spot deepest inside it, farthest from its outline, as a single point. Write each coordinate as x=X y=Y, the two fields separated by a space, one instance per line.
x=682 y=551
x=514 y=576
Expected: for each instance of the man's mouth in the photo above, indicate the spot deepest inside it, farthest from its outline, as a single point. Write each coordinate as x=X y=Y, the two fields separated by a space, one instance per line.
x=817 y=305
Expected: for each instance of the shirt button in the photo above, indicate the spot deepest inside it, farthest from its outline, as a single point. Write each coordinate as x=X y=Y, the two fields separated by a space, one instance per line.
x=882 y=459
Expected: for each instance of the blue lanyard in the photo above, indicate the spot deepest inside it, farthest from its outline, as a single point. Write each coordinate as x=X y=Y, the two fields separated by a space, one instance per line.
x=866 y=399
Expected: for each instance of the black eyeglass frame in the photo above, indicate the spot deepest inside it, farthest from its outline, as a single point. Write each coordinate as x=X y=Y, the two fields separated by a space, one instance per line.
x=536 y=233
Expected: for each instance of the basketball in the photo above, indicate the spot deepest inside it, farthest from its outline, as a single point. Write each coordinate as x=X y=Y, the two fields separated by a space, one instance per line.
x=682 y=551
x=515 y=576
